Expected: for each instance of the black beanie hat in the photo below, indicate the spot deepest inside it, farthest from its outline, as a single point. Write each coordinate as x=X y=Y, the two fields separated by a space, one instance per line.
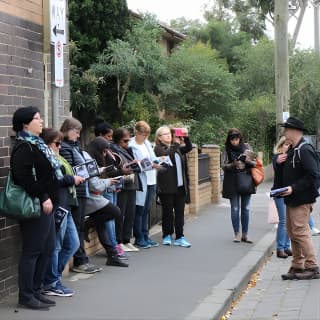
x=23 y=116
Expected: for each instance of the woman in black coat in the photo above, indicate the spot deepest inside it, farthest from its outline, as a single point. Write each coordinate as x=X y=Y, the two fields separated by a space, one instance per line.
x=235 y=163
x=35 y=168
x=172 y=183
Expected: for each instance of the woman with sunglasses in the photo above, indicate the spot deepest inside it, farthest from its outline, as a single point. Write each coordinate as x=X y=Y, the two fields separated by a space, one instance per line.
x=127 y=197
x=67 y=240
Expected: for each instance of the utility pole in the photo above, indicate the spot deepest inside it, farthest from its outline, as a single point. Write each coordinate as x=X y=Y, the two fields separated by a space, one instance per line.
x=281 y=17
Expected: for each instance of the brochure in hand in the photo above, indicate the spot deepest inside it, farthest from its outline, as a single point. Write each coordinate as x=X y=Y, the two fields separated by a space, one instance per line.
x=277 y=192
x=87 y=170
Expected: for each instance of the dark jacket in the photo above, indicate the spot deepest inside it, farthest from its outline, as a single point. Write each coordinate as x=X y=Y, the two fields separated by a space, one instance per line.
x=278 y=172
x=167 y=182
x=300 y=172
x=126 y=156
x=230 y=178
x=72 y=152
x=24 y=157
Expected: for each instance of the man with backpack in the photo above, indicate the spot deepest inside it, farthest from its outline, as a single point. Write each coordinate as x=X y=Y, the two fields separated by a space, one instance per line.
x=301 y=177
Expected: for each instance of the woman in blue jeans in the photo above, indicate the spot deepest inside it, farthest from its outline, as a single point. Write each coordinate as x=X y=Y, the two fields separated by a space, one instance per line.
x=282 y=239
x=235 y=161
x=67 y=240
x=142 y=149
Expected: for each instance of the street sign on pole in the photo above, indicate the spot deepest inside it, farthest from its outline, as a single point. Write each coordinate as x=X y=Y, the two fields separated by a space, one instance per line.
x=58 y=64
x=57 y=21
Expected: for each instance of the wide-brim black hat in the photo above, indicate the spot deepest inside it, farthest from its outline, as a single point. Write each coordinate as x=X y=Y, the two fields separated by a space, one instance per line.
x=294 y=123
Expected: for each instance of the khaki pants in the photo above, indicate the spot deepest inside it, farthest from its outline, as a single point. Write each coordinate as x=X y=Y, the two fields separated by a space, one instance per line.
x=303 y=253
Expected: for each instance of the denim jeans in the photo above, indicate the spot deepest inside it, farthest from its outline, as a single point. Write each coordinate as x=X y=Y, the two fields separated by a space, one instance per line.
x=67 y=243
x=110 y=224
x=141 y=220
x=283 y=241
x=311 y=222
x=235 y=212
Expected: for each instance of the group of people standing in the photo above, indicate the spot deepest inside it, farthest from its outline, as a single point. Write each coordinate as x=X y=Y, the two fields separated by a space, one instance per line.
x=296 y=169
x=116 y=202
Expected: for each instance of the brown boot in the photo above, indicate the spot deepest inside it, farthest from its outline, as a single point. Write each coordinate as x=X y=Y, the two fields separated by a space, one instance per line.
x=288 y=252
x=245 y=238
x=292 y=273
x=281 y=254
x=309 y=274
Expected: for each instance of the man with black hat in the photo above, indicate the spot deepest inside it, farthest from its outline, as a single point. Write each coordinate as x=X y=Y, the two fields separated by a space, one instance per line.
x=300 y=175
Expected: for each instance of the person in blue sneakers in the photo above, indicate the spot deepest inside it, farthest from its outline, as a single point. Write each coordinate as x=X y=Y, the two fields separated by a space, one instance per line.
x=172 y=182
x=67 y=239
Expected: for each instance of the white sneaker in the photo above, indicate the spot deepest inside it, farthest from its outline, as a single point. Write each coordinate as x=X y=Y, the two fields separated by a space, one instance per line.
x=315 y=231
x=124 y=247
x=131 y=247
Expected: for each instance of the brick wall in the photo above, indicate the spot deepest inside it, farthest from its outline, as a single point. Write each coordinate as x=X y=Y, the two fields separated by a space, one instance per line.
x=25 y=73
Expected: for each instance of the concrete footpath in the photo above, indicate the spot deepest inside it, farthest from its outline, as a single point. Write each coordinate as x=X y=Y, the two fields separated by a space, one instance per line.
x=171 y=283
x=273 y=298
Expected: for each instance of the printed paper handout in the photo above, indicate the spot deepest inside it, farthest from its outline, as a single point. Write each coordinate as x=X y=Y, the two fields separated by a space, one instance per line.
x=87 y=170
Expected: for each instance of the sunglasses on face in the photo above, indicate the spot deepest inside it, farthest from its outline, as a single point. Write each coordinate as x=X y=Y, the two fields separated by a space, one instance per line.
x=126 y=140
x=57 y=143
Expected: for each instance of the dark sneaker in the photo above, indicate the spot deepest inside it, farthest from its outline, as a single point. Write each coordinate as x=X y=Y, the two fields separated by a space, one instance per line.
x=309 y=274
x=292 y=274
x=34 y=304
x=42 y=298
x=152 y=243
x=116 y=262
x=142 y=244
x=86 y=268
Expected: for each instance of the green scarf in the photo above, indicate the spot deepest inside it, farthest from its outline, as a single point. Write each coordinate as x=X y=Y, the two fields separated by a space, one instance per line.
x=69 y=171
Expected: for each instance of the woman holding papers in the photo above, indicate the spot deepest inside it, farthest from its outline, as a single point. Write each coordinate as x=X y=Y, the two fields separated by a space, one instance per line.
x=172 y=183
x=282 y=238
x=71 y=151
x=142 y=150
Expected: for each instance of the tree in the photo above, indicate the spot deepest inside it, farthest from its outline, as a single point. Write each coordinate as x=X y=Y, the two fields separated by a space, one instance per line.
x=255 y=69
x=305 y=88
x=136 y=63
x=198 y=83
x=92 y=23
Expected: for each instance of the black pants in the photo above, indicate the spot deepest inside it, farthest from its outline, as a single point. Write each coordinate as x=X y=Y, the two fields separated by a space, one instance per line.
x=173 y=212
x=80 y=257
x=124 y=225
x=38 y=242
x=98 y=219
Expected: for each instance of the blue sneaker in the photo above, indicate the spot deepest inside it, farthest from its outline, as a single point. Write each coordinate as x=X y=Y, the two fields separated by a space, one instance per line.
x=152 y=243
x=59 y=290
x=182 y=242
x=142 y=244
x=166 y=240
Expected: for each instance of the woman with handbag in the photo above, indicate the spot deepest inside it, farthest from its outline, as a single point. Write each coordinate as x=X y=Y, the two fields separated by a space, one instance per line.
x=237 y=183
x=35 y=168
x=282 y=238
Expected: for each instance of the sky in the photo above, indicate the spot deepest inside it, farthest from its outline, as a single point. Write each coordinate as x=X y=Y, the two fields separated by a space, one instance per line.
x=165 y=10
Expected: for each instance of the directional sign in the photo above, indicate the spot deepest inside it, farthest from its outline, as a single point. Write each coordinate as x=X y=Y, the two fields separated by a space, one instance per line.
x=58 y=21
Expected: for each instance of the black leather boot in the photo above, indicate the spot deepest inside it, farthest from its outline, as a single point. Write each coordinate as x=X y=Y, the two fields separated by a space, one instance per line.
x=116 y=262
